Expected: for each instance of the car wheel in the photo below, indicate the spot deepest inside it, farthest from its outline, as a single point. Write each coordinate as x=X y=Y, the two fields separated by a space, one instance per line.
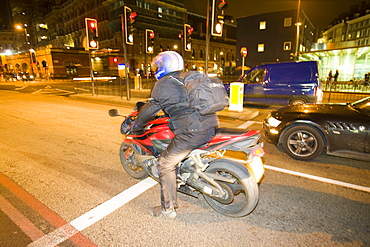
x=298 y=101
x=302 y=142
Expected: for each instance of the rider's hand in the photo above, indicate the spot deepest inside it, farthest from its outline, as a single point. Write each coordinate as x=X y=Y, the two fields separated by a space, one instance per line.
x=135 y=128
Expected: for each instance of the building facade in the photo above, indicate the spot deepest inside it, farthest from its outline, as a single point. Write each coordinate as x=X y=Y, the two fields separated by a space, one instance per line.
x=344 y=46
x=65 y=26
x=274 y=37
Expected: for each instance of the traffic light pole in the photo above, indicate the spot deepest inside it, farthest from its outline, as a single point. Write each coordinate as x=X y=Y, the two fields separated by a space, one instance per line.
x=207 y=37
x=91 y=75
x=128 y=94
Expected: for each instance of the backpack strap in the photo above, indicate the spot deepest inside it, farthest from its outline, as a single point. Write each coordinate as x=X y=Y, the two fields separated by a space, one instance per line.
x=177 y=80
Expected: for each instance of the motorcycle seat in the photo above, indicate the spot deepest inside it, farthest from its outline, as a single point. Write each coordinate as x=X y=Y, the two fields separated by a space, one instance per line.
x=230 y=131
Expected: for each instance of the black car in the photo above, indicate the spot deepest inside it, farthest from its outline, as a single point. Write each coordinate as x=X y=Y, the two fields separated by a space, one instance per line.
x=305 y=131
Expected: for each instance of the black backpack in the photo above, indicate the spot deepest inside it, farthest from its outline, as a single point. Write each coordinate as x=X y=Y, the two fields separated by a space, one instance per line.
x=203 y=93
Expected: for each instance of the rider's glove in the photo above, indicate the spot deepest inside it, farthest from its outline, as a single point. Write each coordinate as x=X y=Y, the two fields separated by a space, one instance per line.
x=134 y=127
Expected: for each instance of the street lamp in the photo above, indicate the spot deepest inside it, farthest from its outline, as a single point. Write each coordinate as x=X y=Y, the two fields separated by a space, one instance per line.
x=298 y=24
x=31 y=51
x=24 y=27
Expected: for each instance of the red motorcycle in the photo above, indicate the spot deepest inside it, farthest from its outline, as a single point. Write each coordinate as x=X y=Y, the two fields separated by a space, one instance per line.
x=229 y=186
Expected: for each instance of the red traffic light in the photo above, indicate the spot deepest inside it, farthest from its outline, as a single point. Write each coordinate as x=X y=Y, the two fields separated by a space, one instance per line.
x=190 y=30
x=129 y=29
x=91 y=33
x=149 y=41
x=222 y=5
x=133 y=15
x=92 y=24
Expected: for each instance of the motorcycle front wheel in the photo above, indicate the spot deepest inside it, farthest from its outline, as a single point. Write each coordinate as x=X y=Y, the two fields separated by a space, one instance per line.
x=244 y=191
x=130 y=163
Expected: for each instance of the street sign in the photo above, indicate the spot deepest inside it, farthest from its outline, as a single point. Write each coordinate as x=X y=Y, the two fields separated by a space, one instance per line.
x=244 y=51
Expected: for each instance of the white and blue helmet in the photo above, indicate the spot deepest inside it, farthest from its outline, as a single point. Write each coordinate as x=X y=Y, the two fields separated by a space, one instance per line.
x=166 y=62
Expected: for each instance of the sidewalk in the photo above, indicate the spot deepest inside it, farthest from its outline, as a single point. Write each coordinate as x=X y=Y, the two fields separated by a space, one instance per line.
x=136 y=95
x=141 y=95
x=246 y=114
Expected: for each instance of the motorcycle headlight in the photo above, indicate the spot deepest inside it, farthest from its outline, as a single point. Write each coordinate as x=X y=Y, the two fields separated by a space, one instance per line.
x=273 y=121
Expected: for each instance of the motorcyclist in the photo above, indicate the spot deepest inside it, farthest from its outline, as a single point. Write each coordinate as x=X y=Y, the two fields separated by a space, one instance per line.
x=190 y=128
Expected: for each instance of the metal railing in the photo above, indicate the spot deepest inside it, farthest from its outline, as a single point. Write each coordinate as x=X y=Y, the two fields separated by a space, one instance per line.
x=139 y=86
x=345 y=91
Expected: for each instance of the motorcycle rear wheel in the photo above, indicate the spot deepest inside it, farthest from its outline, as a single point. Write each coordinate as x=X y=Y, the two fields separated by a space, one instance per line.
x=130 y=163
x=245 y=190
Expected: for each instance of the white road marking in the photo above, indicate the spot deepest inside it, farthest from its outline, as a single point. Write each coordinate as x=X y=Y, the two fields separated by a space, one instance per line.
x=246 y=125
x=321 y=179
x=65 y=232
x=94 y=215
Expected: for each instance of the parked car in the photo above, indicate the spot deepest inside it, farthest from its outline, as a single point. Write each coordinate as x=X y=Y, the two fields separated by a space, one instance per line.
x=282 y=84
x=305 y=131
x=25 y=76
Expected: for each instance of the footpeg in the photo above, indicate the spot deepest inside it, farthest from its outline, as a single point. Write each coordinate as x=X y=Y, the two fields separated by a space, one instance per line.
x=188 y=191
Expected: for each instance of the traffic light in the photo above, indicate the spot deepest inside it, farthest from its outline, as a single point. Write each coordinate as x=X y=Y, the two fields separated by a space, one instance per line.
x=188 y=31
x=149 y=41
x=91 y=33
x=129 y=25
x=218 y=9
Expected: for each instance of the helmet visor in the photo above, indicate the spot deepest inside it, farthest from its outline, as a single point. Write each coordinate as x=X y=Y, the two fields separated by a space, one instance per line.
x=158 y=68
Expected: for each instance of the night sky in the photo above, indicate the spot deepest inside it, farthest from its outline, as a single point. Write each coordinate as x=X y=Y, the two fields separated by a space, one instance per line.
x=320 y=12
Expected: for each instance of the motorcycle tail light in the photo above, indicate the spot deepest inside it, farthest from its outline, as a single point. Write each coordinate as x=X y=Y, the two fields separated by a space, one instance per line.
x=258 y=152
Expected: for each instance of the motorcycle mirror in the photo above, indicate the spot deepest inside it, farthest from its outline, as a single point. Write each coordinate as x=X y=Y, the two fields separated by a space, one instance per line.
x=114 y=112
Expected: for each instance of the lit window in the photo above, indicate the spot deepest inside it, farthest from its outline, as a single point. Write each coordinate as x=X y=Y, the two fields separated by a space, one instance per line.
x=261 y=48
x=262 y=25
x=160 y=12
x=287 y=22
x=287 y=46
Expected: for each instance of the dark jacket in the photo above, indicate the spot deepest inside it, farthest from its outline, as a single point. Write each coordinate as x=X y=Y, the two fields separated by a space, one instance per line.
x=168 y=95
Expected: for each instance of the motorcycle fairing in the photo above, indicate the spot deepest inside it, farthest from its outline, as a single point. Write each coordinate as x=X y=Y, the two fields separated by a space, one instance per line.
x=232 y=139
x=158 y=135
x=156 y=138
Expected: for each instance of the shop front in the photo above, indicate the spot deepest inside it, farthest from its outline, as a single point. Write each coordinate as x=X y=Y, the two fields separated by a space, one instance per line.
x=351 y=63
